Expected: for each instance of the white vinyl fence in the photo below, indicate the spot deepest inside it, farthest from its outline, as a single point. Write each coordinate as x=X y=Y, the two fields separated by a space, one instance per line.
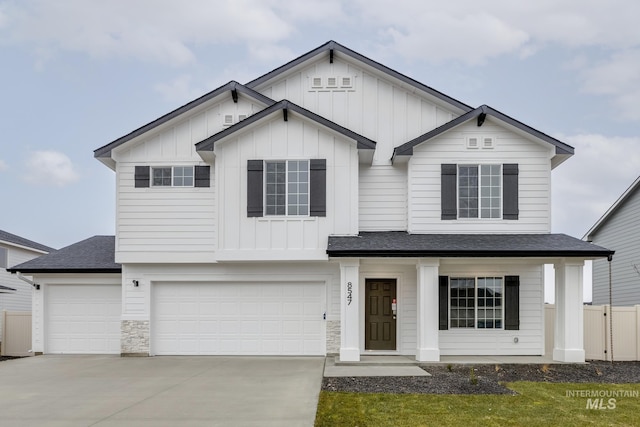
x=601 y=338
x=16 y=333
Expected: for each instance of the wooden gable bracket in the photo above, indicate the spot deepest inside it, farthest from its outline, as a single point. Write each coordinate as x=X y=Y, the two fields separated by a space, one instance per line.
x=330 y=56
x=481 y=118
x=285 y=114
x=234 y=95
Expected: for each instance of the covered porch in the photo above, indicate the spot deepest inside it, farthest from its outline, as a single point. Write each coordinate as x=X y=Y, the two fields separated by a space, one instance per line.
x=452 y=296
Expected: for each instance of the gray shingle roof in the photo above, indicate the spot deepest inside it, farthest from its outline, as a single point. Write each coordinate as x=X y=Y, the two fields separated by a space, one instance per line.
x=93 y=255
x=21 y=241
x=402 y=244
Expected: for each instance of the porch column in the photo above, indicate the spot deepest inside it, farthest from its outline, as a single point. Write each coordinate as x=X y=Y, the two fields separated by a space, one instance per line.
x=349 y=310
x=427 y=306
x=569 y=338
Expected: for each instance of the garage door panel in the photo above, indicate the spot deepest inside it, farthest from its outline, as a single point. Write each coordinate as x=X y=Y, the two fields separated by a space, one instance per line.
x=238 y=318
x=83 y=319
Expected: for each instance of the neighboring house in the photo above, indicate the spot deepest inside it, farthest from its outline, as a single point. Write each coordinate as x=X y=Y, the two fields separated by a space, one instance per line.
x=619 y=228
x=15 y=294
x=332 y=205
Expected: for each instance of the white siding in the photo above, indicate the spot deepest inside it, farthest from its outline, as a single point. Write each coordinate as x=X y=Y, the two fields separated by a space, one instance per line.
x=534 y=180
x=501 y=342
x=20 y=300
x=621 y=233
x=383 y=198
x=282 y=237
x=170 y=224
x=377 y=107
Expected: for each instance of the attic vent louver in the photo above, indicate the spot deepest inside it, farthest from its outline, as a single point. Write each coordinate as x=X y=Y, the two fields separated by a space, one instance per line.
x=316 y=82
x=346 y=82
x=228 y=120
x=242 y=117
x=487 y=142
x=472 y=142
x=332 y=82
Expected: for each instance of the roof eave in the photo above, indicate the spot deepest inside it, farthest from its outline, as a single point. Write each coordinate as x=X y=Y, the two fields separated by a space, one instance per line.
x=466 y=254
x=612 y=209
x=66 y=270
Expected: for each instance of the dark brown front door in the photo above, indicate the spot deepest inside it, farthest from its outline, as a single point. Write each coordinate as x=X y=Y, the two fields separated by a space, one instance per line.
x=380 y=321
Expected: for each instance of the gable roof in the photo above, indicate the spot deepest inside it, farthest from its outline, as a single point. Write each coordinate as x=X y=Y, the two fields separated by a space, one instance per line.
x=402 y=244
x=331 y=47
x=480 y=114
x=93 y=255
x=284 y=105
x=609 y=213
x=12 y=239
x=104 y=153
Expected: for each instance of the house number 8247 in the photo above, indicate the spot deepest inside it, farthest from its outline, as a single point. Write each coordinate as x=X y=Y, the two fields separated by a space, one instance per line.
x=349 y=293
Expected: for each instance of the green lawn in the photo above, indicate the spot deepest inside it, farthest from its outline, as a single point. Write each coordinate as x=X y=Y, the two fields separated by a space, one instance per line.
x=537 y=404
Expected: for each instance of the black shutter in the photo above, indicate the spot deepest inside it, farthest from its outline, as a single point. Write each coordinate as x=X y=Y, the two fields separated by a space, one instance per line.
x=318 y=187
x=202 y=176
x=448 y=191
x=443 y=302
x=141 y=176
x=510 y=191
x=254 y=188
x=512 y=303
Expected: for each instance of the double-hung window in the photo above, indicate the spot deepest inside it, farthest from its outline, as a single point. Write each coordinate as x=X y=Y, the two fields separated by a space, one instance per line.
x=479 y=191
x=176 y=176
x=476 y=302
x=287 y=187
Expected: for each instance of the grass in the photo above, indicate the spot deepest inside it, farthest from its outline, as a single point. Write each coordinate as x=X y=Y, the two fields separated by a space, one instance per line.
x=537 y=404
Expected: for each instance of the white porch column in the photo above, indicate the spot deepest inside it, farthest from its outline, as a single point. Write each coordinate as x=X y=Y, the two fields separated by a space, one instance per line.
x=569 y=338
x=427 y=306
x=349 y=310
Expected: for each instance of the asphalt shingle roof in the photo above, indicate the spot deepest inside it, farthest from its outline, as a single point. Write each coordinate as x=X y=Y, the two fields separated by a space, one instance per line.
x=21 y=241
x=402 y=244
x=93 y=255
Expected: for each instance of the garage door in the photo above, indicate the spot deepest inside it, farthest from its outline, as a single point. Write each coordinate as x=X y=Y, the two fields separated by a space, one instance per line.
x=238 y=319
x=83 y=319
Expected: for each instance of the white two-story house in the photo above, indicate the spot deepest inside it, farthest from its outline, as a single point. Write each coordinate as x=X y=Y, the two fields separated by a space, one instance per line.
x=332 y=205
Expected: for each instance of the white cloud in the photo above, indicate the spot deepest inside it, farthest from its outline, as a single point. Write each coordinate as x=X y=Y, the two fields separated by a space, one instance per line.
x=3 y=165
x=50 y=168
x=157 y=30
x=619 y=78
x=180 y=89
x=587 y=184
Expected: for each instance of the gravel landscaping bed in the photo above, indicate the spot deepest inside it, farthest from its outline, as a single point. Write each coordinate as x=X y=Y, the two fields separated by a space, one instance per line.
x=458 y=379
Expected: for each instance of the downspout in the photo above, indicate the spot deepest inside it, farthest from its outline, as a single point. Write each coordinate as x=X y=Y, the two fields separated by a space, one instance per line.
x=29 y=281
x=609 y=259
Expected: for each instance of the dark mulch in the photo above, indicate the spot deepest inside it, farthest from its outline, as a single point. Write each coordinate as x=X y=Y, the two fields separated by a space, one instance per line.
x=457 y=379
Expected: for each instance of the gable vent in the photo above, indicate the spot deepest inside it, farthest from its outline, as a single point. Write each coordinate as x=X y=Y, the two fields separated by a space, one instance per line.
x=228 y=120
x=332 y=82
x=242 y=117
x=472 y=142
x=345 y=82
x=316 y=82
x=487 y=142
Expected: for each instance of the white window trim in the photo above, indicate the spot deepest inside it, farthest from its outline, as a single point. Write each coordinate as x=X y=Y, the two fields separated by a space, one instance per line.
x=479 y=217
x=475 y=299
x=264 y=192
x=193 y=176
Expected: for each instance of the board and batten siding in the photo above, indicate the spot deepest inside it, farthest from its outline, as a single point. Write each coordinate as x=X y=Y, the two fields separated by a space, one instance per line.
x=383 y=197
x=621 y=233
x=451 y=148
x=530 y=336
x=285 y=237
x=374 y=105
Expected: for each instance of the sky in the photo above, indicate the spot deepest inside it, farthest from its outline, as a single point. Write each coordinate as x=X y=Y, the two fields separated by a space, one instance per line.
x=77 y=74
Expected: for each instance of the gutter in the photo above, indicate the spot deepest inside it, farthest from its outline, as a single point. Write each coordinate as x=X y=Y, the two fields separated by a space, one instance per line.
x=29 y=281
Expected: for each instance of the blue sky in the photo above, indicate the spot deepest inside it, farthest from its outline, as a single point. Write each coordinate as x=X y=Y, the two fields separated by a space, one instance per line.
x=77 y=74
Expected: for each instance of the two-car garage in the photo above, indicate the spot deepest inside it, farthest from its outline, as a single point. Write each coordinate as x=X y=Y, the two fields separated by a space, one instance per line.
x=205 y=318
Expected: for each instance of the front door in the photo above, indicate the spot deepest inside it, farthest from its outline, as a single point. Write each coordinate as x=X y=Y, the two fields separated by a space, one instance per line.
x=380 y=319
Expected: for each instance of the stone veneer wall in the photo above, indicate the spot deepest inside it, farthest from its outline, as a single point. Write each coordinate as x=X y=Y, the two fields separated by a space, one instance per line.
x=134 y=339
x=333 y=336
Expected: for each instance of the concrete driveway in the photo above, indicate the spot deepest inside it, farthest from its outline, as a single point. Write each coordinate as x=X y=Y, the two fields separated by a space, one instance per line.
x=159 y=391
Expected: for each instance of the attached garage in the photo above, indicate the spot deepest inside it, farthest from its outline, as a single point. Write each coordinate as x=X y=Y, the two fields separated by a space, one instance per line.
x=82 y=319
x=245 y=318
